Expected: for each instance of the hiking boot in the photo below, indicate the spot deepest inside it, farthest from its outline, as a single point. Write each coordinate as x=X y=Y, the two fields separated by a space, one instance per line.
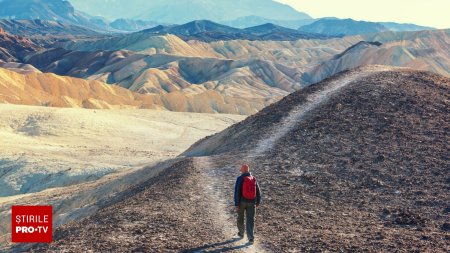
x=240 y=236
x=251 y=241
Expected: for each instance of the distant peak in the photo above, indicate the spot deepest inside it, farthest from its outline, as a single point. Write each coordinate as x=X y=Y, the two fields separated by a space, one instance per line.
x=268 y=25
x=202 y=21
x=361 y=44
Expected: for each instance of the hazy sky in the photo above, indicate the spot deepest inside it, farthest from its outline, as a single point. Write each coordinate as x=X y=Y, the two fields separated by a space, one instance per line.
x=435 y=13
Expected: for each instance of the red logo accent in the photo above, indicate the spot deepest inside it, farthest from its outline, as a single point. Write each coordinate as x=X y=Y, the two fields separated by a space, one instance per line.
x=31 y=224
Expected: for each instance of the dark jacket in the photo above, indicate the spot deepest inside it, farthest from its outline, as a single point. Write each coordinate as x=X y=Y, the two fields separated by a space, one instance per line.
x=238 y=191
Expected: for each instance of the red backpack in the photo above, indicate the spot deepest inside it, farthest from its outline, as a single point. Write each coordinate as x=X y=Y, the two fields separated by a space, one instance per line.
x=249 y=188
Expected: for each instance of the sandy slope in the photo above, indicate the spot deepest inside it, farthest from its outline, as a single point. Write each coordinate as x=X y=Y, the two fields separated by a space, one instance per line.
x=75 y=145
x=89 y=153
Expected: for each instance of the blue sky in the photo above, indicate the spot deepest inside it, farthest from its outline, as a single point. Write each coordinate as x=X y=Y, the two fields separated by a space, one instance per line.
x=435 y=13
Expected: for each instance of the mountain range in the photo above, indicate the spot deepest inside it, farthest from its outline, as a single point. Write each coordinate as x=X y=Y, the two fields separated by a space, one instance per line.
x=44 y=29
x=249 y=75
x=345 y=27
x=205 y=30
x=53 y=10
x=123 y=16
x=14 y=48
x=183 y=11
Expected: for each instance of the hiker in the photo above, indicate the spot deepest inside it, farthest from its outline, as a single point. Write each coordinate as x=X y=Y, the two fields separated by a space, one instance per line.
x=247 y=196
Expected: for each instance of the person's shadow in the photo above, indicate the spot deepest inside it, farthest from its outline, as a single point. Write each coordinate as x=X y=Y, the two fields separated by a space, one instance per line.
x=224 y=246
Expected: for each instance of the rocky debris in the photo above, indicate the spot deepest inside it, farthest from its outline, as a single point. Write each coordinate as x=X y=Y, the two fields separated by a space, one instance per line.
x=446 y=227
x=402 y=217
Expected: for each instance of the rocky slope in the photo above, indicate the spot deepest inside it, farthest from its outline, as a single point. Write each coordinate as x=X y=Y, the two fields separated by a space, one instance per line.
x=14 y=48
x=360 y=164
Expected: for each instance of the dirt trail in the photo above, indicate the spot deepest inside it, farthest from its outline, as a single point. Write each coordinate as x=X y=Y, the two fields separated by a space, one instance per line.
x=218 y=180
x=218 y=184
x=314 y=101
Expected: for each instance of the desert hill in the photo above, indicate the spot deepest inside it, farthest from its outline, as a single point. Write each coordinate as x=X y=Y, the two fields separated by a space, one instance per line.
x=35 y=88
x=22 y=84
x=360 y=163
x=297 y=53
x=424 y=50
x=14 y=48
x=167 y=73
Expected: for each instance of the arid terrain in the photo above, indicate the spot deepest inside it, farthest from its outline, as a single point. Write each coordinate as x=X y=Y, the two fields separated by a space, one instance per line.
x=58 y=154
x=356 y=163
x=131 y=119
x=236 y=76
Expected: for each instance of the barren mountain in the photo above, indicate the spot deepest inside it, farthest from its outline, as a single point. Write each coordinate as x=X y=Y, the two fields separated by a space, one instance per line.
x=426 y=50
x=359 y=162
x=335 y=27
x=343 y=27
x=299 y=53
x=139 y=42
x=44 y=28
x=34 y=88
x=182 y=11
x=19 y=67
x=14 y=48
x=252 y=20
x=52 y=10
x=205 y=30
x=165 y=73
x=24 y=86
x=402 y=27
x=132 y=25
x=245 y=85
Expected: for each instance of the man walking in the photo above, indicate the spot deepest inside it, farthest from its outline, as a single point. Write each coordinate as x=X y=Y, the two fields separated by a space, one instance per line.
x=247 y=197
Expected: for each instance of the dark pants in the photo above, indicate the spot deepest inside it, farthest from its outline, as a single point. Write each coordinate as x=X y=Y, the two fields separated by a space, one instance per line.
x=249 y=210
